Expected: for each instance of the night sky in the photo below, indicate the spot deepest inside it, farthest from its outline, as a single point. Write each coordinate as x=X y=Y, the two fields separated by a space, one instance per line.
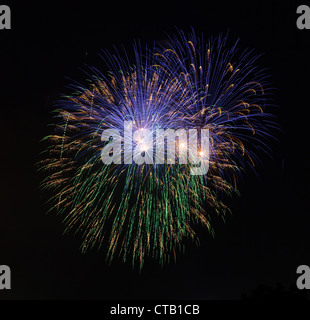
x=264 y=240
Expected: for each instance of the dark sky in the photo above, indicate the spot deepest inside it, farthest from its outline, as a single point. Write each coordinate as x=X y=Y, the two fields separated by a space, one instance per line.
x=264 y=240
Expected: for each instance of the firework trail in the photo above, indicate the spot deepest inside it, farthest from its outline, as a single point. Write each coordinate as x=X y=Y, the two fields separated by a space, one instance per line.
x=143 y=210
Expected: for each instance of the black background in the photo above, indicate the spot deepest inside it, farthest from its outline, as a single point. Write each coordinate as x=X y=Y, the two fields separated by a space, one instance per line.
x=261 y=244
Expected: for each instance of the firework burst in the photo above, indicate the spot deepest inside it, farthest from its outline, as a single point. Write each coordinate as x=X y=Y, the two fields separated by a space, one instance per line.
x=135 y=210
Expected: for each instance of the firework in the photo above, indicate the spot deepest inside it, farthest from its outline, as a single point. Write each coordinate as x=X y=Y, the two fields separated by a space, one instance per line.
x=144 y=209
